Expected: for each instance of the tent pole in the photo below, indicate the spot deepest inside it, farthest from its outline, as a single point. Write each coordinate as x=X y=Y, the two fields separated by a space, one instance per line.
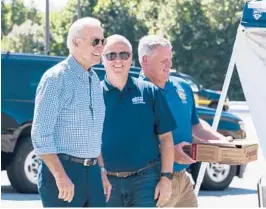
x=215 y=123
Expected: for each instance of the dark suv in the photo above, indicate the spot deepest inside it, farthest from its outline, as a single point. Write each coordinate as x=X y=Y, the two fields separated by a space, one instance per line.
x=21 y=74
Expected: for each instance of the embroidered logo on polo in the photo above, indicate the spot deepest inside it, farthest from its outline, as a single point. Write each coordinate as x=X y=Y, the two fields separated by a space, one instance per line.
x=182 y=95
x=138 y=100
x=257 y=14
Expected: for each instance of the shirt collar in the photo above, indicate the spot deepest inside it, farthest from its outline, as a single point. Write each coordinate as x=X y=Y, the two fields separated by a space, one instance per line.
x=108 y=86
x=77 y=68
x=143 y=77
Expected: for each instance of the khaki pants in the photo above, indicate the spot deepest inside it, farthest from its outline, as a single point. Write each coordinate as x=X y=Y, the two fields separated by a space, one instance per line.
x=182 y=192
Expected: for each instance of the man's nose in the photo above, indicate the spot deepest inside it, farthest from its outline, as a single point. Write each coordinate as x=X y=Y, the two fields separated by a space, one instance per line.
x=100 y=47
x=168 y=64
x=118 y=59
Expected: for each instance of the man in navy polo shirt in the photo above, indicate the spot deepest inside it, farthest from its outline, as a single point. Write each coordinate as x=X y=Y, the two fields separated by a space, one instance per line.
x=155 y=57
x=137 y=133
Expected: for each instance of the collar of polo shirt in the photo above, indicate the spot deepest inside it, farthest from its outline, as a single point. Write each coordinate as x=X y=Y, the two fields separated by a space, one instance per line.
x=143 y=77
x=108 y=86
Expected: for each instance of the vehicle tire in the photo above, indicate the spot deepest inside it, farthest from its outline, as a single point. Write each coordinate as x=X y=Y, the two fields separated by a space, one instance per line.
x=217 y=176
x=22 y=171
x=5 y=160
x=213 y=105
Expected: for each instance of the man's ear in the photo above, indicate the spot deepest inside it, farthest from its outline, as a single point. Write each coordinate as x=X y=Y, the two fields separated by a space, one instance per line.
x=75 y=42
x=145 y=59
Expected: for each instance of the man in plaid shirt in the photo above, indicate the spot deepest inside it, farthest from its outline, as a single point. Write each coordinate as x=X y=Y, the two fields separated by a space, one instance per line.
x=68 y=122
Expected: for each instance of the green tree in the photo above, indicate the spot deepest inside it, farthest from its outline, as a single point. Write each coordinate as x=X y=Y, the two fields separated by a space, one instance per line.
x=61 y=22
x=202 y=33
x=20 y=22
x=15 y=13
x=119 y=17
x=5 y=22
x=116 y=17
x=26 y=38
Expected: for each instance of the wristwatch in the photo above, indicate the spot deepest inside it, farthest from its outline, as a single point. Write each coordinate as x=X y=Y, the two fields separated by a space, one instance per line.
x=167 y=175
x=103 y=170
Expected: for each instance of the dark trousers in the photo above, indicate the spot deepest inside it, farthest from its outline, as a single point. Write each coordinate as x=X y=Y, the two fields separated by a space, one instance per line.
x=87 y=182
x=135 y=191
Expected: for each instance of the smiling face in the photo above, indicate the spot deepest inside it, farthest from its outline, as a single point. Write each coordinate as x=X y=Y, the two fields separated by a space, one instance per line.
x=117 y=58
x=84 y=45
x=157 y=65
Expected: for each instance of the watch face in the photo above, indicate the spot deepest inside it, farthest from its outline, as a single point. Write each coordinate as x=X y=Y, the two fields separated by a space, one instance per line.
x=103 y=169
x=168 y=175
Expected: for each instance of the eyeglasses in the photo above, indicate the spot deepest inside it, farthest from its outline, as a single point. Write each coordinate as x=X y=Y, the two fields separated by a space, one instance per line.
x=96 y=41
x=113 y=55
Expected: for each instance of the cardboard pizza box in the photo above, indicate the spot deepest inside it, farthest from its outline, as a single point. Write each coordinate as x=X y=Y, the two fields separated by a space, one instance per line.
x=238 y=152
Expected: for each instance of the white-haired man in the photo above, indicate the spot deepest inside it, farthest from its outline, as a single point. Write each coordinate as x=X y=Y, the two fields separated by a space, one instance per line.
x=68 y=122
x=137 y=121
x=155 y=57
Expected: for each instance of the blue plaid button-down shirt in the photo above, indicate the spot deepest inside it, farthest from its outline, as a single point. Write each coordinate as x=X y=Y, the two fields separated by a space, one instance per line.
x=69 y=111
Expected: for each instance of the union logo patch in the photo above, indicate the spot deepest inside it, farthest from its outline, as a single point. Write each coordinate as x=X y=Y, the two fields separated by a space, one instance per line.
x=138 y=100
x=182 y=95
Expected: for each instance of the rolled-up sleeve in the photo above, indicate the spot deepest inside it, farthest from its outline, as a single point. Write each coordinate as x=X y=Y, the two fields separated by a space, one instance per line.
x=45 y=115
x=164 y=120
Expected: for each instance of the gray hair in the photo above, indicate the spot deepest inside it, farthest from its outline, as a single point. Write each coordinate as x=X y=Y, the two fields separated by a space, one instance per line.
x=148 y=43
x=118 y=38
x=77 y=27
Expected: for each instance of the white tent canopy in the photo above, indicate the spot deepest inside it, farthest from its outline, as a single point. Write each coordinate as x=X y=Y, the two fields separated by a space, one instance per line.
x=249 y=57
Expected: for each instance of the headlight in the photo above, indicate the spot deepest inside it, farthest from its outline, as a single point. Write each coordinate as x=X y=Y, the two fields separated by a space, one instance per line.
x=242 y=128
x=226 y=104
x=242 y=125
x=227 y=100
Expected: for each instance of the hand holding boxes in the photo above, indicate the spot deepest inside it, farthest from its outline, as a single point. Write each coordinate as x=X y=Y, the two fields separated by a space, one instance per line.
x=238 y=152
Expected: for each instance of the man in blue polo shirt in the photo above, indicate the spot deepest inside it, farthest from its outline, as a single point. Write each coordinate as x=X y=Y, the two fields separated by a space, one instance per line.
x=155 y=57
x=137 y=133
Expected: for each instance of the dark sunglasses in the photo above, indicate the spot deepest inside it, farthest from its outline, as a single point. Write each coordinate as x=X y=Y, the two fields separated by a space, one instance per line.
x=96 y=41
x=113 y=55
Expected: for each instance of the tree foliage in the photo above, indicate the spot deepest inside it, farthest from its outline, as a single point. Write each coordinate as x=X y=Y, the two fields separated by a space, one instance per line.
x=26 y=38
x=15 y=13
x=202 y=32
x=62 y=20
x=120 y=18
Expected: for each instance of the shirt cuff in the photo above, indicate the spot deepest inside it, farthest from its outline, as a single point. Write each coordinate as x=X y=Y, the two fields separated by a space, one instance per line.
x=45 y=150
x=164 y=129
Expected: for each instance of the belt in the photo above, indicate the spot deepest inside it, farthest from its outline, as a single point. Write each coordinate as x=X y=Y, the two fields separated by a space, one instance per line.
x=83 y=161
x=131 y=173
